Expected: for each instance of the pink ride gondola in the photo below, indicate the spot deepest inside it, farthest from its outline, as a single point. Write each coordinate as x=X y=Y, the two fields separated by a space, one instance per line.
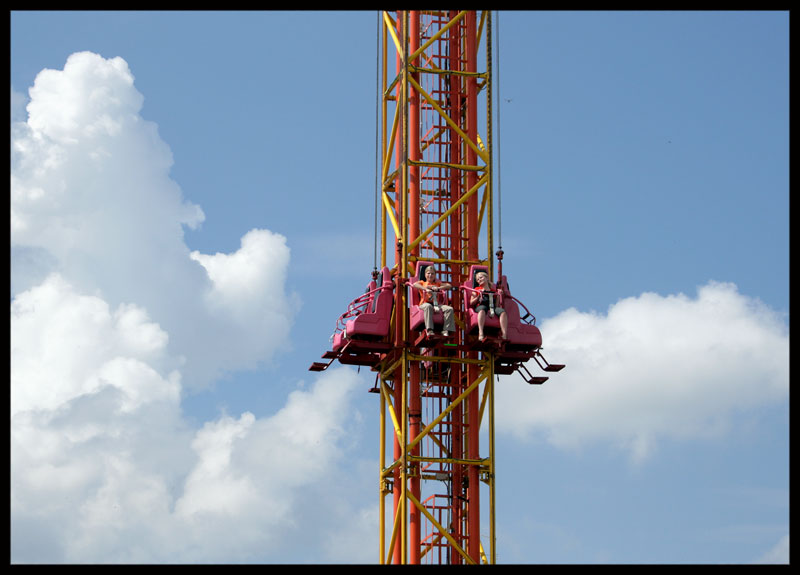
x=362 y=331
x=524 y=339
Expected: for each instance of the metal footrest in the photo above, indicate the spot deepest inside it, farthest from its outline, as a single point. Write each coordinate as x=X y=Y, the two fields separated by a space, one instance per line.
x=533 y=380
x=547 y=366
x=554 y=367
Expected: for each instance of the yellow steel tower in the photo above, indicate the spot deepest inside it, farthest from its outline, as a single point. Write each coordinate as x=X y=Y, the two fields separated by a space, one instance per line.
x=436 y=201
x=436 y=386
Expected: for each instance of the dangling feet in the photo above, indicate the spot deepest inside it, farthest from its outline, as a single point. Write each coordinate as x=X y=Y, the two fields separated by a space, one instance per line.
x=481 y=337
x=429 y=332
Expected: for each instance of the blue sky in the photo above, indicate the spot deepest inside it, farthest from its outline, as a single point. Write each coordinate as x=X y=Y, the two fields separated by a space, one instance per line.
x=192 y=208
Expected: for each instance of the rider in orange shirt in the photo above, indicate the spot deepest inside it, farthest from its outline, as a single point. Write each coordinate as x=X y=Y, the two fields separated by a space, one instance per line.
x=430 y=287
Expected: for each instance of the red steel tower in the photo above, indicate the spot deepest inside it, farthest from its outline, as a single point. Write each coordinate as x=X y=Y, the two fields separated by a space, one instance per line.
x=437 y=488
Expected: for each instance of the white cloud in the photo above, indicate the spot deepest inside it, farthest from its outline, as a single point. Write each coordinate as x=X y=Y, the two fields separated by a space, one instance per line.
x=96 y=429
x=779 y=554
x=253 y=475
x=112 y=318
x=104 y=465
x=247 y=299
x=92 y=199
x=65 y=345
x=654 y=367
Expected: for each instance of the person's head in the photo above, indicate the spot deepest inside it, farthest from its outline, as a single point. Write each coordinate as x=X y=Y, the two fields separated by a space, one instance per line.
x=481 y=277
x=430 y=273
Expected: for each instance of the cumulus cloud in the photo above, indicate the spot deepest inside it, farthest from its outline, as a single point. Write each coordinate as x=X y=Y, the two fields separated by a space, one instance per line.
x=113 y=318
x=104 y=468
x=65 y=345
x=92 y=199
x=654 y=367
x=96 y=429
x=246 y=300
x=779 y=554
x=253 y=474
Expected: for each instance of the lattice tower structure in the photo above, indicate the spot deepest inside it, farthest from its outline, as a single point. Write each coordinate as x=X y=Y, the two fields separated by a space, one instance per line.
x=437 y=486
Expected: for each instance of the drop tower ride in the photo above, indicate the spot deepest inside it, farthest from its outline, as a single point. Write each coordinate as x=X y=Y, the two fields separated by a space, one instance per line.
x=435 y=207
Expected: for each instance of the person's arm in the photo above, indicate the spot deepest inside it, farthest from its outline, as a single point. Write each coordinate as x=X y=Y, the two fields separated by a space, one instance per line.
x=474 y=296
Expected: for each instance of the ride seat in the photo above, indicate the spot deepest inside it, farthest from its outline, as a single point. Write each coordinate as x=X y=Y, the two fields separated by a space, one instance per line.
x=521 y=335
x=371 y=313
x=492 y=324
x=417 y=316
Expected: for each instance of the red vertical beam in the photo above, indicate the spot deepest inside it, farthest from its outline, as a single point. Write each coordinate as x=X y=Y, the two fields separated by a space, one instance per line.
x=413 y=135
x=456 y=429
x=473 y=403
x=414 y=418
x=414 y=401
x=397 y=485
x=472 y=131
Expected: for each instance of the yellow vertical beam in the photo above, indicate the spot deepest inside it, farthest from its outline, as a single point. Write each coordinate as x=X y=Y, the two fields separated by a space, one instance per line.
x=487 y=19
x=383 y=65
x=382 y=477
x=403 y=265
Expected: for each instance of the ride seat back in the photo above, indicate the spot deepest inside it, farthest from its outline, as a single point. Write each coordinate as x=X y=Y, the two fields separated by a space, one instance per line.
x=383 y=303
x=371 y=313
x=511 y=307
x=520 y=335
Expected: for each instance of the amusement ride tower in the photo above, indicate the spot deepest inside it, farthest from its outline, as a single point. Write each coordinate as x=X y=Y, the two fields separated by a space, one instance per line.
x=437 y=488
